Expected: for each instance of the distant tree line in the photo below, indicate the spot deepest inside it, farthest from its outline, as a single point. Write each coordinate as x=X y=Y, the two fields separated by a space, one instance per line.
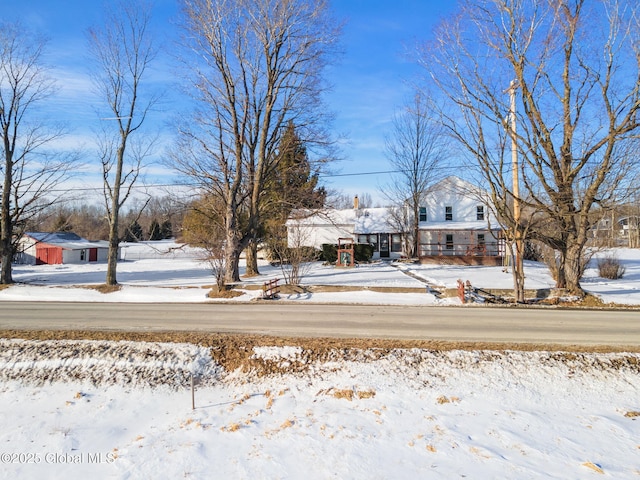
x=161 y=218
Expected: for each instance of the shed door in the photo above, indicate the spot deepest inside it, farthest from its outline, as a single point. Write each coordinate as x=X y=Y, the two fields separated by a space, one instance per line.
x=93 y=254
x=48 y=256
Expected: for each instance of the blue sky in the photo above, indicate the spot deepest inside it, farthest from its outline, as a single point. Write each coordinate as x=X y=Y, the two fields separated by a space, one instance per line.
x=371 y=80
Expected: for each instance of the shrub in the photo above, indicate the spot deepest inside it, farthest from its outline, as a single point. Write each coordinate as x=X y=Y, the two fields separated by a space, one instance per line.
x=363 y=252
x=610 y=267
x=329 y=253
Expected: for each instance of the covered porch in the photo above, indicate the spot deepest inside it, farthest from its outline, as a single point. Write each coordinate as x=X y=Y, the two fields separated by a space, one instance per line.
x=461 y=246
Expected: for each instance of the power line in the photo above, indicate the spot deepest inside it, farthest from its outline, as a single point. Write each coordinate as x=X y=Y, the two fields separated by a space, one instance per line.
x=138 y=186
x=195 y=185
x=359 y=174
x=99 y=189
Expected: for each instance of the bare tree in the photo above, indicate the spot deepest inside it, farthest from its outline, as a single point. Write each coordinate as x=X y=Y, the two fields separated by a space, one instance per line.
x=343 y=201
x=415 y=150
x=122 y=50
x=30 y=167
x=257 y=65
x=293 y=254
x=203 y=227
x=577 y=85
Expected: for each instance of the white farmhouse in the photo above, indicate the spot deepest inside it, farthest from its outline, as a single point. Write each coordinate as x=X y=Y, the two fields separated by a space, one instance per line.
x=457 y=221
x=456 y=225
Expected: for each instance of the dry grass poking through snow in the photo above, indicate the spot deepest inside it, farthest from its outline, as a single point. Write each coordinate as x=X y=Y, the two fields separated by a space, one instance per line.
x=442 y=400
x=593 y=467
x=348 y=393
x=104 y=288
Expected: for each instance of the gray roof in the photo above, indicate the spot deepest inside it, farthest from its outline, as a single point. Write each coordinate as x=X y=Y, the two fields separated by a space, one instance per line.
x=66 y=240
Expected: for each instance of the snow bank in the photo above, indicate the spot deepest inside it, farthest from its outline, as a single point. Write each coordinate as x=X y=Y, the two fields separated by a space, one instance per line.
x=123 y=363
x=76 y=410
x=149 y=364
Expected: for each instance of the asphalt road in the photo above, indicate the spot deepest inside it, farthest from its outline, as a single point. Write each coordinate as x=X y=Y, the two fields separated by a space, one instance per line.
x=467 y=324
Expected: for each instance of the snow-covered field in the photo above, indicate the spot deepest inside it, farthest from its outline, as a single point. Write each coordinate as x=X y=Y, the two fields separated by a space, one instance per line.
x=363 y=415
x=100 y=409
x=159 y=272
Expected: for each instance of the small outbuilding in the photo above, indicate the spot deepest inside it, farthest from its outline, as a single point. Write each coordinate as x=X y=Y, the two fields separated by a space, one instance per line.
x=40 y=248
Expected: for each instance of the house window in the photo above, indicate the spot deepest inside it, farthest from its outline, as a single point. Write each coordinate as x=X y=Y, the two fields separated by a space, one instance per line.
x=480 y=212
x=480 y=240
x=83 y=254
x=371 y=239
x=396 y=242
x=449 y=242
x=448 y=214
x=423 y=214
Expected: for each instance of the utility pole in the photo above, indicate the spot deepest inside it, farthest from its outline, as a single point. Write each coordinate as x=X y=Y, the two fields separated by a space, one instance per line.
x=514 y=152
x=518 y=266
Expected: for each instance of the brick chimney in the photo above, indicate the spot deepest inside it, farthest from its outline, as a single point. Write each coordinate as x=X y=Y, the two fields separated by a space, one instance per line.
x=356 y=203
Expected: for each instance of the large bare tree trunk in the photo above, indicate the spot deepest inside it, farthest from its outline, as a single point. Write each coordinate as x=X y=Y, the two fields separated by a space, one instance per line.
x=114 y=237
x=232 y=247
x=6 y=249
x=517 y=249
x=251 y=258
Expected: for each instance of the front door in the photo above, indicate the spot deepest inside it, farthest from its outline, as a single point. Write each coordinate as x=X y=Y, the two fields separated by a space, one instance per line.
x=384 y=245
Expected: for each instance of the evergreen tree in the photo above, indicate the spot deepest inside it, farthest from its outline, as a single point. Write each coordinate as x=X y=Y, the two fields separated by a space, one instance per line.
x=155 y=232
x=166 y=229
x=133 y=233
x=291 y=186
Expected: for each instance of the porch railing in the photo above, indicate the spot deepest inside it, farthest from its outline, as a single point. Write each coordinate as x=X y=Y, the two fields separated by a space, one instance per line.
x=488 y=249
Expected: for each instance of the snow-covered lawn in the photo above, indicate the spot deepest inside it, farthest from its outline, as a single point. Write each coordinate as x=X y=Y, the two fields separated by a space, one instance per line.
x=122 y=410
x=160 y=272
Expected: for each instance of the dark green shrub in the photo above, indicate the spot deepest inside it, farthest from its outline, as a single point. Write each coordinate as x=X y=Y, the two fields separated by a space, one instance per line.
x=155 y=233
x=329 y=253
x=133 y=232
x=533 y=251
x=363 y=252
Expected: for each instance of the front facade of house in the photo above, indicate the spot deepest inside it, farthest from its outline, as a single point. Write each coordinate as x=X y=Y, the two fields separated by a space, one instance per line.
x=456 y=225
x=38 y=248
x=374 y=227
x=456 y=222
x=363 y=225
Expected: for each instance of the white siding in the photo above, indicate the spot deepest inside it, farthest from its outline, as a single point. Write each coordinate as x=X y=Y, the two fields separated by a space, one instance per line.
x=316 y=235
x=464 y=199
